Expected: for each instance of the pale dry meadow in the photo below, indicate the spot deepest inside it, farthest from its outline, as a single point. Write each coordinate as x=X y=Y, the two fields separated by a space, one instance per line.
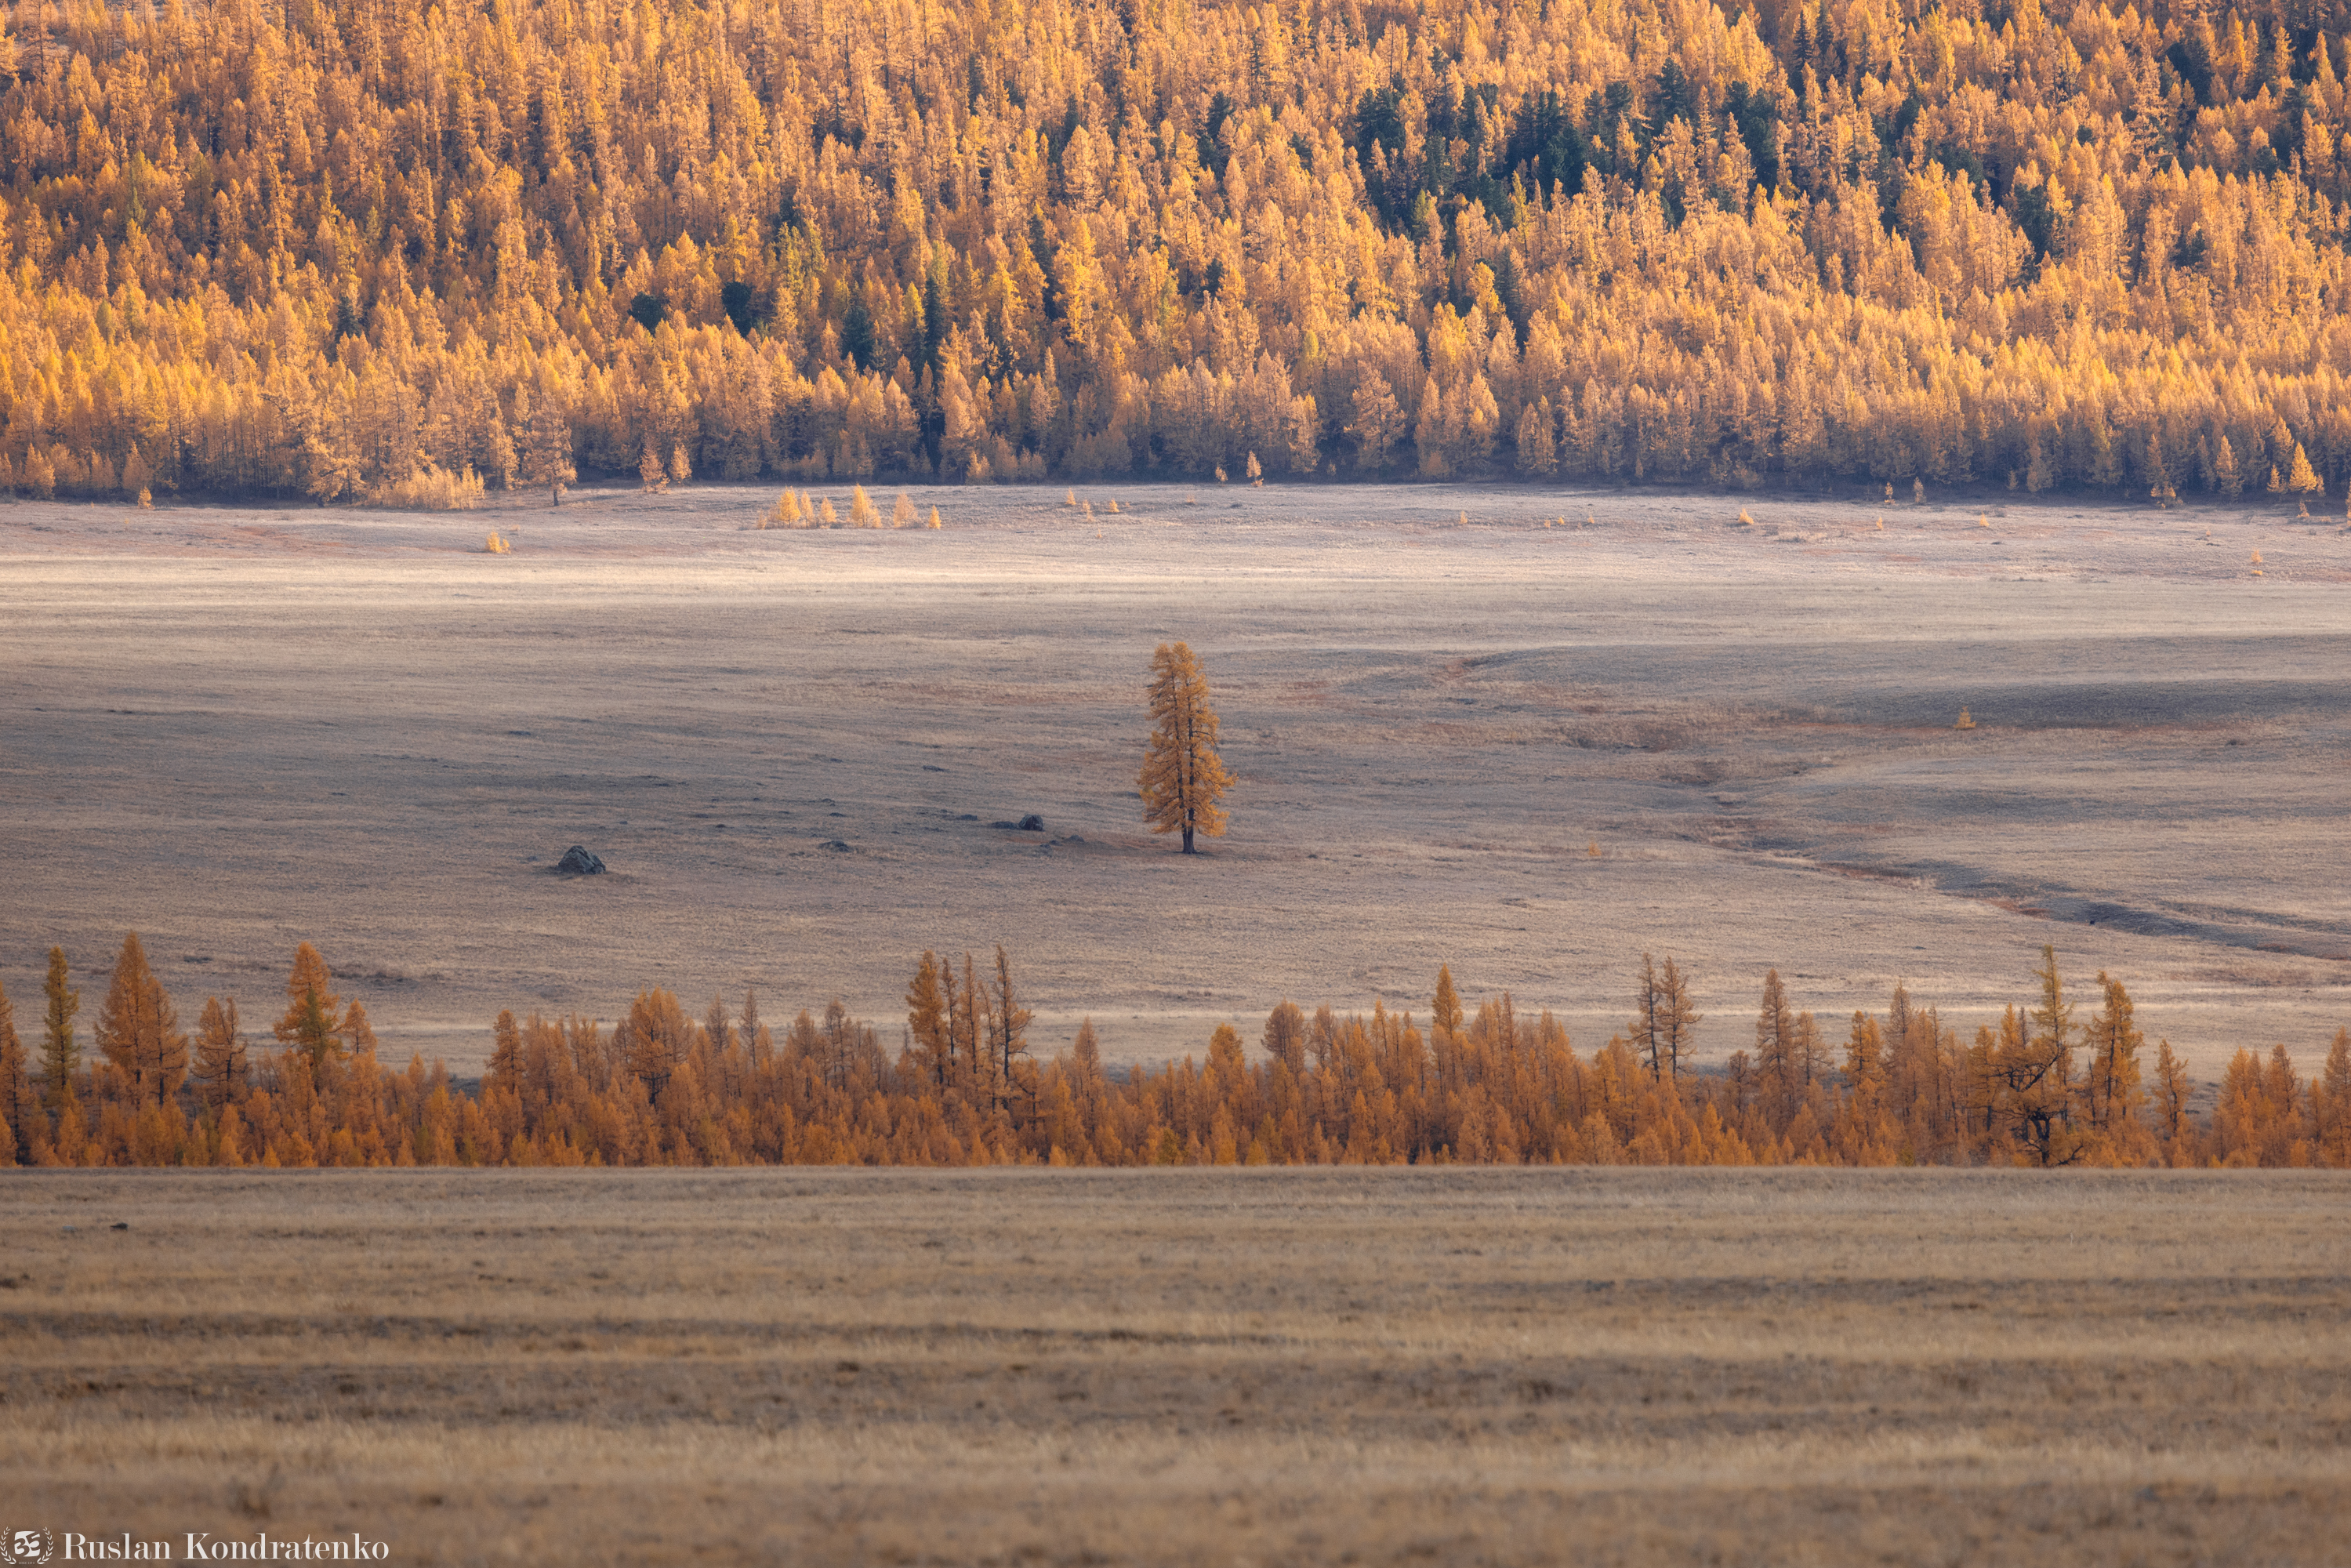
x=1464 y=735
x=820 y=1366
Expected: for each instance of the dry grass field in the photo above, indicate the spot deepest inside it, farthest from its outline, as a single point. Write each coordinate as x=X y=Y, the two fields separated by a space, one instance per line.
x=234 y=729
x=1366 y=1366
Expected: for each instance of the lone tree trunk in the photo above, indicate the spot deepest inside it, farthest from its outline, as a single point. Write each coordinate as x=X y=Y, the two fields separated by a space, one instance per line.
x=1183 y=778
x=1012 y=1036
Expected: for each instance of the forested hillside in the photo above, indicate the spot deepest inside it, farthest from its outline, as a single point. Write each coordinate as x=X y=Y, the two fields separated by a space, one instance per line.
x=350 y=249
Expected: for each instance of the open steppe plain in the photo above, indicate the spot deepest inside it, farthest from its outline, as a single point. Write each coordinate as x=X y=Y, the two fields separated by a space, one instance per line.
x=1455 y=1367
x=1461 y=736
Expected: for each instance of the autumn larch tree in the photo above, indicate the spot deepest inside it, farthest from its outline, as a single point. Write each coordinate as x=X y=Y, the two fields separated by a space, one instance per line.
x=61 y=1056
x=1011 y=1034
x=1779 y=1075
x=357 y=1034
x=1445 y=1007
x=1285 y=1037
x=2332 y=1097
x=138 y=1031
x=1807 y=1056
x=2036 y=1067
x=505 y=1069
x=2111 y=1091
x=951 y=1023
x=1864 y=1135
x=1090 y=1090
x=1677 y=1018
x=1376 y=425
x=2170 y=1110
x=1865 y=1054
x=1645 y=1043
x=1183 y=778
x=546 y=447
x=1984 y=1095
x=313 y=1019
x=1664 y=1021
x=220 y=1053
x=846 y=1044
x=968 y=1029
x=926 y=1020
x=655 y=1039
x=1226 y=1085
x=758 y=1044
x=18 y=1104
x=1739 y=1079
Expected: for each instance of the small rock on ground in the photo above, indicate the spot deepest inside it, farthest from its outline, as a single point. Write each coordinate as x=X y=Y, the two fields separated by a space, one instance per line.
x=578 y=862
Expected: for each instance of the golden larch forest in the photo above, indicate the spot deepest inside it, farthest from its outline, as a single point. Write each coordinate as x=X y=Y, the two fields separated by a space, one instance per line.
x=384 y=253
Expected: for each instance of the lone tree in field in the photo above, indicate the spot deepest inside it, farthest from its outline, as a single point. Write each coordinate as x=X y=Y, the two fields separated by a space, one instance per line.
x=1183 y=777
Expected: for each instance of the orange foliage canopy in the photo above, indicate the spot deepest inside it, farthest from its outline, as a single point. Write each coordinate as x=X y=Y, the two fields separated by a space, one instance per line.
x=1488 y=1087
x=355 y=250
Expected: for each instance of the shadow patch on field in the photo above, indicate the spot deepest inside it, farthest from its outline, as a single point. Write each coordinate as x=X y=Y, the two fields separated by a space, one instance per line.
x=2153 y=705
x=2265 y=931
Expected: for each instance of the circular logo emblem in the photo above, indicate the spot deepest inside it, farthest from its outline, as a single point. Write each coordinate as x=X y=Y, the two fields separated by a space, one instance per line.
x=26 y=1548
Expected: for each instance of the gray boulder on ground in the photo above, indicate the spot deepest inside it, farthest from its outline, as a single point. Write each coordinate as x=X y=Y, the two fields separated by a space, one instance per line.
x=1032 y=823
x=578 y=862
